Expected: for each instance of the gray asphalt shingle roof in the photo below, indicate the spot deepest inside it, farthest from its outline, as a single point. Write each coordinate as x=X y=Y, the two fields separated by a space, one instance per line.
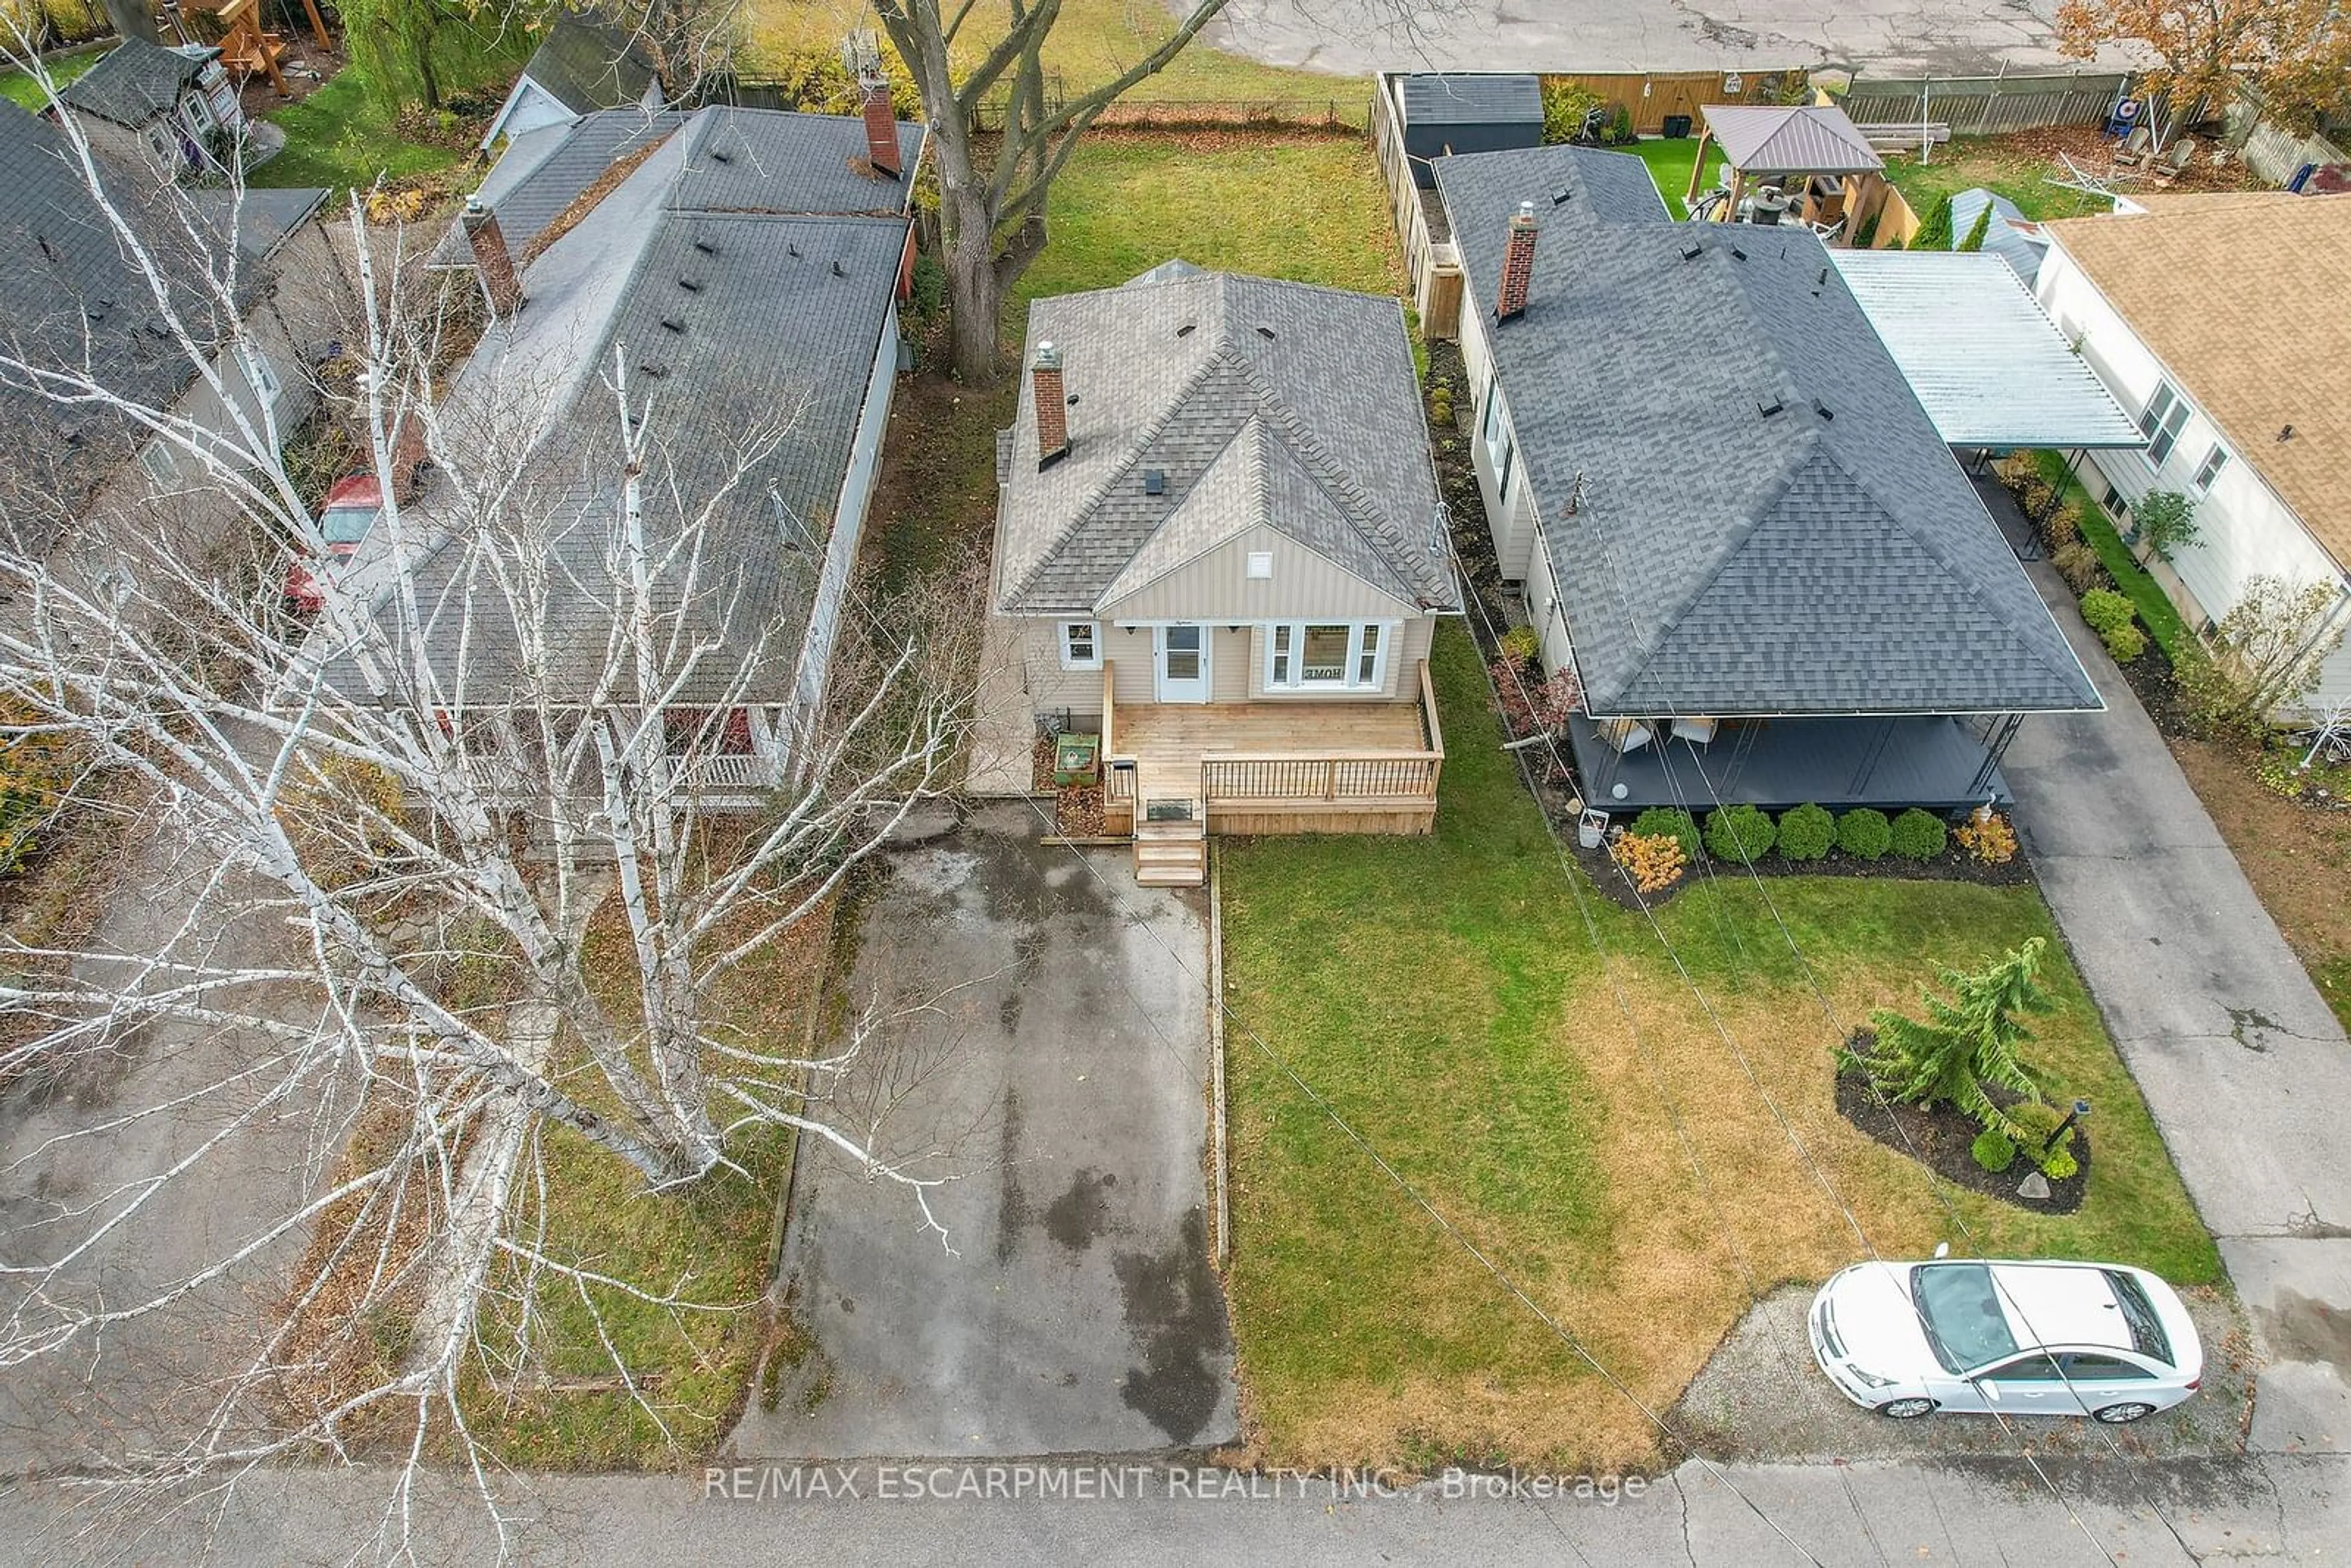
x=587 y=63
x=543 y=172
x=135 y=81
x=1260 y=402
x=1826 y=557
x=749 y=336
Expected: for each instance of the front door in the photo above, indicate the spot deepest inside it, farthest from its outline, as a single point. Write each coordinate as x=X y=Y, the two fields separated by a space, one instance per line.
x=1181 y=663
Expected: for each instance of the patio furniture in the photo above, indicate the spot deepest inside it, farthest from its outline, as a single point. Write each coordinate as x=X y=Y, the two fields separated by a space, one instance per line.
x=2174 y=160
x=2133 y=151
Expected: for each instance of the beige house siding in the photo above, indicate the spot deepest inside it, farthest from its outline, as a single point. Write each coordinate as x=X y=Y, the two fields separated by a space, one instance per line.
x=1216 y=586
x=1031 y=650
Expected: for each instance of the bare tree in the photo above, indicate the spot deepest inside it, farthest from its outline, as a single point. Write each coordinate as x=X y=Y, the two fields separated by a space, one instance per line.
x=538 y=698
x=993 y=183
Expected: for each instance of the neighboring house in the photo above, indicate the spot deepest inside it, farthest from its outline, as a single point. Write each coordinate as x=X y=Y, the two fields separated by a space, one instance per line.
x=1220 y=546
x=1735 y=522
x=69 y=299
x=750 y=265
x=172 y=108
x=586 y=64
x=2223 y=323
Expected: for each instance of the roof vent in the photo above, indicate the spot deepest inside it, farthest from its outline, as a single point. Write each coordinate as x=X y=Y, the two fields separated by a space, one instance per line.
x=1822 y=281
x=691 y=285
x=791 y=250
x=1769 y=403
x=839 y=271
x=1559 y=196
x=1188 y=329
x=1265 y=332
x=706 y=247
x=1736 y=254
x=1692 y=251
x=1823 y=409
x=674 y=323
x=2286 y=434
x=656 y=371
x=718 y=155
x=1155 y=482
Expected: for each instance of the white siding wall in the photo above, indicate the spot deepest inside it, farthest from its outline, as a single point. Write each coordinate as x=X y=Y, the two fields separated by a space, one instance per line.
x=2245 y=530
x=848 y=520
x=1543 y=611
x=1512 y=528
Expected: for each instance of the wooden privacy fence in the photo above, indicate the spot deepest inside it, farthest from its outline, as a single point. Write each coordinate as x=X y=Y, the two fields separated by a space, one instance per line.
x=1653 y=97
x=1429 y=259
x=1979 y=106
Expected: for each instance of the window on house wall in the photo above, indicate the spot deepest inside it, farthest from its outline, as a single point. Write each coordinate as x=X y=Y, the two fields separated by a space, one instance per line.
x=1497 y=430
x=1326 y=655
x=2210 y=469
x=2160 y=423
x=263 y=380
x=1081 y=645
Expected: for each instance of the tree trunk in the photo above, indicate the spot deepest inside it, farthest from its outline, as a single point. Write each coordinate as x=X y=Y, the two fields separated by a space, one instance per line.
x=428 y=80
x=975 y=287
x=132 y=19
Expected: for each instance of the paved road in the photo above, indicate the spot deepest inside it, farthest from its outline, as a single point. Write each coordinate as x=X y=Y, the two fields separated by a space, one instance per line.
x=2277 y=1509
x=2246 y=1069
x=1895 y=38
x=1078 y=1312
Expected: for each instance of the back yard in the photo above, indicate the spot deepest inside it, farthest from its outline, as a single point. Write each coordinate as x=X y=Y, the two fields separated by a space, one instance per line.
x=1444 y=994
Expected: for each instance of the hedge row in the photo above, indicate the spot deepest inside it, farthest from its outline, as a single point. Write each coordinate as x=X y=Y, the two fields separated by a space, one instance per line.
x=1745 y=834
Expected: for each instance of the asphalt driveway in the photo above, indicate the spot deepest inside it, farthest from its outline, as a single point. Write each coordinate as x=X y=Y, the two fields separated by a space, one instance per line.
x=1061 y=1083
x=2242 y=1063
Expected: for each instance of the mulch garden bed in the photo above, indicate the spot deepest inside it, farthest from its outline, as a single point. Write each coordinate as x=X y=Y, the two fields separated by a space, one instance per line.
x=1941 y=1139
x=1078 y=811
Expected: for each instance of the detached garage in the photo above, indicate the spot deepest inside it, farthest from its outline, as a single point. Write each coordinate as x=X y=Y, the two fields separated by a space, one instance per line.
x=1446 y=113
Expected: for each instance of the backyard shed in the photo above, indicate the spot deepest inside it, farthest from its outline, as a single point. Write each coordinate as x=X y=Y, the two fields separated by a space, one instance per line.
x=1467 y=112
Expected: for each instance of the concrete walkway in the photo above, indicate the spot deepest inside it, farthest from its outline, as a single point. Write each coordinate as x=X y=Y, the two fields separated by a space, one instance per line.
x=2246 y=1069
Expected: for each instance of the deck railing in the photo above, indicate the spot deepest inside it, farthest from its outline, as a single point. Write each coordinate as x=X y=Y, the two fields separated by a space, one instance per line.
x=1119 y=787
x=1352 y=776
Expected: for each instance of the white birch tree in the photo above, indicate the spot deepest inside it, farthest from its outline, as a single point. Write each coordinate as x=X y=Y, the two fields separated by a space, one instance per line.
x=473 y=749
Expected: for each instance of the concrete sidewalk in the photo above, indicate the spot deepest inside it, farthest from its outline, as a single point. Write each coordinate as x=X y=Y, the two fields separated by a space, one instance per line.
x=2246 y=1069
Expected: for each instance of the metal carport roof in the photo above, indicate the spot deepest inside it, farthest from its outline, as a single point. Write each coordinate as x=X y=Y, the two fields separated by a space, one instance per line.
x=1990 y=368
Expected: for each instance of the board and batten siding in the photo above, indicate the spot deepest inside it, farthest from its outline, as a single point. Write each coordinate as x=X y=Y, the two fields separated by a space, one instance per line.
x=1216 y=586
x=2244 y=529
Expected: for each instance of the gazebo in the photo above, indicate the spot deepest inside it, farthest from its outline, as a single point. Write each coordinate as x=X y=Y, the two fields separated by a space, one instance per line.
x=1808 y=159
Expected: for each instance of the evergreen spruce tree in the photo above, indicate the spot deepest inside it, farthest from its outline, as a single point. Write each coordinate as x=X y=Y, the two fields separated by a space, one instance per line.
x=1977 y=230
x=1966 y=1045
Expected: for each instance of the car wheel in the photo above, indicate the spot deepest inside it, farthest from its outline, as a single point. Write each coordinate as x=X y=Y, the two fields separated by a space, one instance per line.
x=2116 y=1415
x=1906 y=1409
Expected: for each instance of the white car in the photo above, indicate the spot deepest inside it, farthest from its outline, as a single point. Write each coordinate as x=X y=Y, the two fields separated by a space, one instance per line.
x=2020 y=1339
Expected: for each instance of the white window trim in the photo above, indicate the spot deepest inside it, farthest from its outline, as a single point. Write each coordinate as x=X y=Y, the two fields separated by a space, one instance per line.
x=260 y=376
x=2162 y=421
x=1384 y=634
x=1062 y=637
x=2209 y=472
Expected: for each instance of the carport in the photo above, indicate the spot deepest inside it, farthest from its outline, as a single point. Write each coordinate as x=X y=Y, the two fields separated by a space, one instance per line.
x=1992 y=370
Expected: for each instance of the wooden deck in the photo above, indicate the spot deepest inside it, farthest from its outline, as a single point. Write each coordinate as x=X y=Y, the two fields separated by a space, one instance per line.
x=1282 y=767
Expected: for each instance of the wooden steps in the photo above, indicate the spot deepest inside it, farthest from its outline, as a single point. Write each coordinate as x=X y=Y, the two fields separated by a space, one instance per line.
x=1171 y=854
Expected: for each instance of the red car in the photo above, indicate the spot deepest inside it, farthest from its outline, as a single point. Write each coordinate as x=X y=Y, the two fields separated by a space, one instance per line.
x=352 y=508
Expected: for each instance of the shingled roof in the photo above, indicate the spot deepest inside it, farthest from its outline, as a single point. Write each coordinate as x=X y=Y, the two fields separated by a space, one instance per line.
x=1746 y=508
x=135 y=81
x=742 y=325
x=1256 y=403
x=2242 y=298
x=587 y=63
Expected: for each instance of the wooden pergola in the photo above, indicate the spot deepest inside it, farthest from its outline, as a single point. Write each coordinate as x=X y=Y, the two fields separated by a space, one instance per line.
x=1799 y=148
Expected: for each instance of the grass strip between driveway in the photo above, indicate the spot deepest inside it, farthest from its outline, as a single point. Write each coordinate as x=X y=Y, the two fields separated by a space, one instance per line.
x=1444 y=995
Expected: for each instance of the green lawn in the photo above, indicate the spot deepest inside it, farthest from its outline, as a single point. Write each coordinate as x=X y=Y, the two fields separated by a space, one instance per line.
x=1443 y=994
x=1996 y=163
x=1669 y=165
x=342 y=135
x=21 y=89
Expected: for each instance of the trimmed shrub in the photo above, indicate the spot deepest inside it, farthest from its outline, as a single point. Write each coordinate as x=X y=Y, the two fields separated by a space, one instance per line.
x=2058 y=1164
x=2036 y=1121
x=2062 y=526
x=1522 y=644
x=1741 y=833
x=1669 y=823
x=1864 y=833
x=1987 y=839
x=2123 y=643
x=1935 y=234
x=1917 y=835
x=1993 y=1150
x=2079 y=565
x=2104 y=609
x=1806 y=833
x=1977 y=230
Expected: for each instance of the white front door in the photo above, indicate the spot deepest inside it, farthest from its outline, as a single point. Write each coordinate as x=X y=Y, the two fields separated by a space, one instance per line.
x=1180 y=662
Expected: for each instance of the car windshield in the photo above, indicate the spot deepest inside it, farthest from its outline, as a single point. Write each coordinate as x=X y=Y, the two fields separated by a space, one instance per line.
x=1962 y=1314
x=346 y=525
x=2146 y=1329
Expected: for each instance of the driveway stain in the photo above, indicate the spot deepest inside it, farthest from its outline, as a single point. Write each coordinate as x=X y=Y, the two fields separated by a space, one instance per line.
x=2244 y=1019
x=1076 y=1218
x=1012 y=1203
x=2299 y=1328
x=1176 y=1314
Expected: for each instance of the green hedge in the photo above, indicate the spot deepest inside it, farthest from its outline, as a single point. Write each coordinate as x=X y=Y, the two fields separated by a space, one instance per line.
x=1806 y=833
x=1741 y=833
x=1865 y=833
x=1669 y=823
x=1920 y=835
x=2156 y=610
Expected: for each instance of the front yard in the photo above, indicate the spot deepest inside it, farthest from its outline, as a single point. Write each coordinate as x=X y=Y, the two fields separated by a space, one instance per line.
x=1444 y=995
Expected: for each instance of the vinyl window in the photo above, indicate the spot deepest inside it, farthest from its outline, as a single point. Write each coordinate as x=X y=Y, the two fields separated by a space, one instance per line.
x=2160 y=423
x=1326 y=655
x=1081 y=645
x=2210 y=469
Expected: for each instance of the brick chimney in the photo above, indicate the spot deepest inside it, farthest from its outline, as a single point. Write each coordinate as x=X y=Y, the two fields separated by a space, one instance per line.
x=1518 y=265
x=1052 y=409
x=499 y=278
x=881 y=131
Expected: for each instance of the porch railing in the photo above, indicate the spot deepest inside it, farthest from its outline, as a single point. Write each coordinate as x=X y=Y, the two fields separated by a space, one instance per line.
x=1352 y=776
x=1119 y=786
x=743 y=773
